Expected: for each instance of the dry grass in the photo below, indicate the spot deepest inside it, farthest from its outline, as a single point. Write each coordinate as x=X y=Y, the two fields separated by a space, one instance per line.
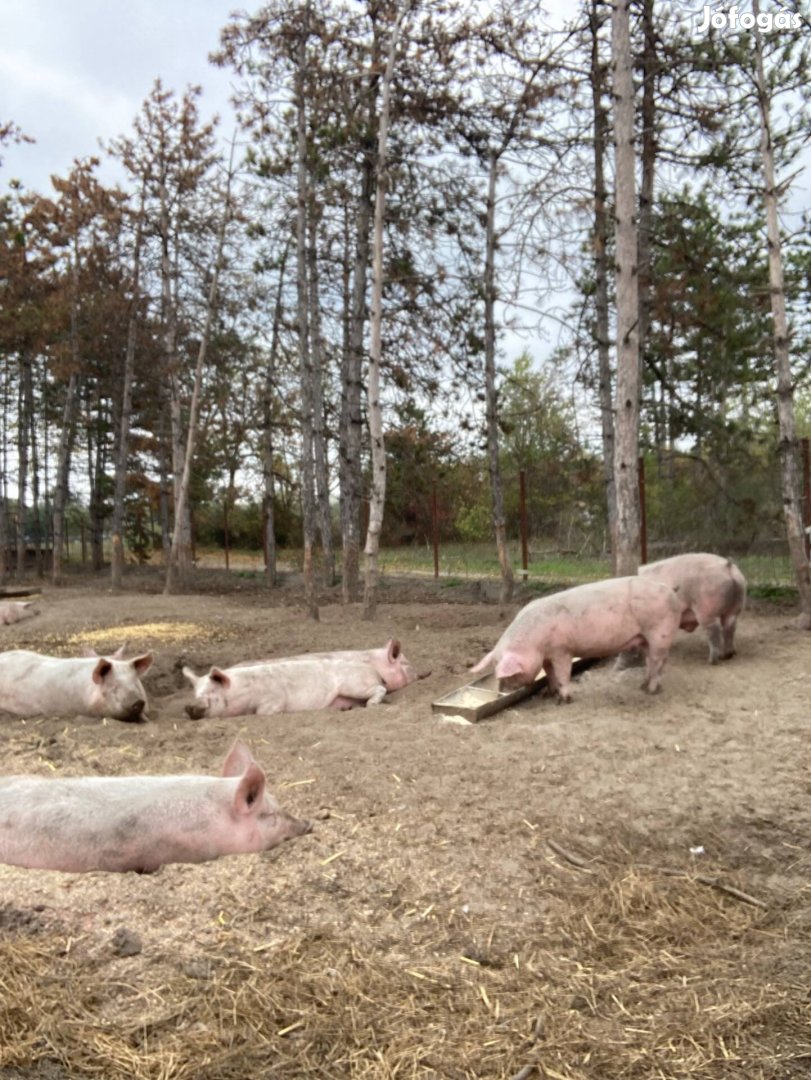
x=162 y=632
x=632 y=976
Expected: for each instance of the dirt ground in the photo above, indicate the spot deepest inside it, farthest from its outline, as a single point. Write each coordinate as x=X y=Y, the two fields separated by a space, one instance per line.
x=532 y=895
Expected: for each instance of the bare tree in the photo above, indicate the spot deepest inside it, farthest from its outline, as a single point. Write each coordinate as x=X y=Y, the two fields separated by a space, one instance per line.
x=122 y=449
x=377 y=497
x=601 y=306
x=787 y=446
x=626 y=420
x=182 y=489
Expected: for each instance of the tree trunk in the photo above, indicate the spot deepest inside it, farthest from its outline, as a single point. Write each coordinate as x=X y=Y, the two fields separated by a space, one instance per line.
x=62 y=475
x=351 y=430
x=269 y=524
x=182 y=551
x=648 y=163
x=626 y=453
x=323 y=510
x=36 y=519
x=490 y=389
x=4 y=510
x=23 y=431
x=789 y=471
x=122 y=450
x=601 y=329
x=377 y=498
x=305 y=358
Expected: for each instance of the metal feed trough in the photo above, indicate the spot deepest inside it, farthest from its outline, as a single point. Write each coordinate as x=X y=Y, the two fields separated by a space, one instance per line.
x=482 y=698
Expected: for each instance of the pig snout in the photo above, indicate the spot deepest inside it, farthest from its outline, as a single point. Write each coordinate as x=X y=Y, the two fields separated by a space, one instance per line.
x=300 y=826
x=196 y=712
x=134 y=714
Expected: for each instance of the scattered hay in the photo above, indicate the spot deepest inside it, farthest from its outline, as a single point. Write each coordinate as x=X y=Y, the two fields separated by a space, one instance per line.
x=633 y=977
x=167 y=632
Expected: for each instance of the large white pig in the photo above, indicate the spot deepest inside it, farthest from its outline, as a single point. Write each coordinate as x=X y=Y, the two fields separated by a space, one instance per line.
x=140 y=822
x=712 y=593
x=594 y=620
x=35 y=685
x=12 y=611
x=339 y=680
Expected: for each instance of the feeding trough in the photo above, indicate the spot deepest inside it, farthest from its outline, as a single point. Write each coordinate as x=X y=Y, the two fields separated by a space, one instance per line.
x=479 y=699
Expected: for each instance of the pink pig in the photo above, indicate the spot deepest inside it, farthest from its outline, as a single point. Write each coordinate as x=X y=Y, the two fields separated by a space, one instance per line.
x=594 y=620
x=140 y=822
x=12 y=611
x=35 y=685
x=337 y=680
x=712 y=592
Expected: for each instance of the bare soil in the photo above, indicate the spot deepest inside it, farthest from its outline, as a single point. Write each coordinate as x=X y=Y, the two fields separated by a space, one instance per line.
x=427 y=927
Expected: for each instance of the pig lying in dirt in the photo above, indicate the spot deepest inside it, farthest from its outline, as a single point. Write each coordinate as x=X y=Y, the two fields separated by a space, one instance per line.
x=594 y=620
x=712 y=593
x=36 y=685
x=140 y=822
x=339 y=680
x=12 y=611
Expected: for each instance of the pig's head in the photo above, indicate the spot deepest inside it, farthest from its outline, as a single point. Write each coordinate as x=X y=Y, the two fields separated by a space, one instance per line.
x=117 y=689
x=210 y=693
x=393 y=667
x=258 y=821
x=515 y=669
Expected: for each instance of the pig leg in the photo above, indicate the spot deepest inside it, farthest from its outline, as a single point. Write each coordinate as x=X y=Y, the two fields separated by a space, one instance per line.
x=345 y=703
x=728 y=625
x=559 y=675
x=714 y=639
x=657 y=655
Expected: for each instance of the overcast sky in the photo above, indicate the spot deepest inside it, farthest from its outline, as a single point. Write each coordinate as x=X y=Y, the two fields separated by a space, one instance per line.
x=75 y=71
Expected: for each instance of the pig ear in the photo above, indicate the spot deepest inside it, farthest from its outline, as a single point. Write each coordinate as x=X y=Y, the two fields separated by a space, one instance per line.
x=190 y=676
x=510 y=664
x=141 y=663
x=394 y=648
x=220 y=677
x=102 y=670
x=238 y=759
x=251 y=788
x=119 y=653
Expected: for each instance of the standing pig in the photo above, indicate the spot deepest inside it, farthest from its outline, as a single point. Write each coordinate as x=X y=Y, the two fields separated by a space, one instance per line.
x=12 y=611
x=339 y=680
x=36 y=685
x=712 y=593
x=140 y=822
x=594 y=620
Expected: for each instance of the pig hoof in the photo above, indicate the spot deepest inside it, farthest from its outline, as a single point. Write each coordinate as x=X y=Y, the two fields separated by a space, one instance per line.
x=195 y=712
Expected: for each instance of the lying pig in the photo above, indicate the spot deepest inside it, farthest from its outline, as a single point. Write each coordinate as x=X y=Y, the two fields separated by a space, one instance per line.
x=140 y=822
x=712 y=592
x=594 y=620
x=339 y=680
x=36 y=685
x=12 y=611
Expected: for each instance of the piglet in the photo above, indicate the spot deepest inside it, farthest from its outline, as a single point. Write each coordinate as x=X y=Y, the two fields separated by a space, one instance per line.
x=140 y=822
x=35 y=685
